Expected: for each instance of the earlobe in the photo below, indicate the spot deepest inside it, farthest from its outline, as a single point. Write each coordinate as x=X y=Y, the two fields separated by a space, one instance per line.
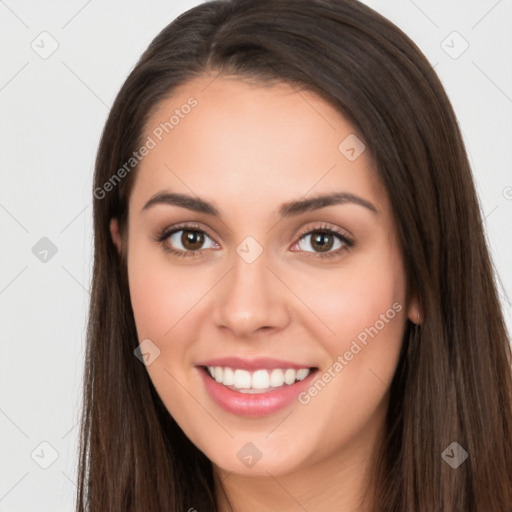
x=114 y=232
x=414 y=313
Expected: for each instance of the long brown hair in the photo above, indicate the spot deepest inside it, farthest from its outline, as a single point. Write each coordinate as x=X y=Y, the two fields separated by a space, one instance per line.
x=453 y=382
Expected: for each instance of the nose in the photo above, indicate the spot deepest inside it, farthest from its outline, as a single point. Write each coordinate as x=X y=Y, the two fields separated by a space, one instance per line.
x=251 y=300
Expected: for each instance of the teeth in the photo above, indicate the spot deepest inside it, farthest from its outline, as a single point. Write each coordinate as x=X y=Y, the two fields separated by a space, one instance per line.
x=228 y=377
x=302 y=373
x=253 y=382
x=289 y=376
x=260 y=379
x=242 y=379
x=277 y=378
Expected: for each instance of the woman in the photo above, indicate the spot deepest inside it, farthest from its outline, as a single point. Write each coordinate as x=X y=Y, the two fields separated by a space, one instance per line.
x=293 y=306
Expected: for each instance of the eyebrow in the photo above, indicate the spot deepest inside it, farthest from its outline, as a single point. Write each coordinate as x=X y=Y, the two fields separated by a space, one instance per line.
x=289 y=209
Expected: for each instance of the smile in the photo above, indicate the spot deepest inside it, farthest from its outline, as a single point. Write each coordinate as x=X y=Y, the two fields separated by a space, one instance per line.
x=259 y=381
x=254 y=388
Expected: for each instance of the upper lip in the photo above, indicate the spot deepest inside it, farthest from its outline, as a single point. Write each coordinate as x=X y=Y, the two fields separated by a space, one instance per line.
x=258 y=363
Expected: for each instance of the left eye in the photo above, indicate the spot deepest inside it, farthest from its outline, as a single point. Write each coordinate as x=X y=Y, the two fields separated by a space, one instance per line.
x=321 y=241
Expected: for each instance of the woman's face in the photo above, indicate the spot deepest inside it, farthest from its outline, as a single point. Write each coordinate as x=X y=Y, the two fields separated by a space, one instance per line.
x=280 y=282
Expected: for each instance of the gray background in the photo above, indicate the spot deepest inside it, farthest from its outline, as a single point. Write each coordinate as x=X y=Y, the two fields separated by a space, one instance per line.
x=52 y=110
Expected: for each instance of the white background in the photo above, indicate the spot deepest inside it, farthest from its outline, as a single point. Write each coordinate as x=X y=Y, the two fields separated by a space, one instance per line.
x=52 y=112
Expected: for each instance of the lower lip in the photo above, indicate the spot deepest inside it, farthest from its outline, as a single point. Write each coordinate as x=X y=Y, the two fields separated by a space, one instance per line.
x=258 y=404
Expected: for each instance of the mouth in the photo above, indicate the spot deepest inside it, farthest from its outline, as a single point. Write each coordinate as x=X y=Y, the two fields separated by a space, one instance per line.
x=259 y=389
x=259 y=381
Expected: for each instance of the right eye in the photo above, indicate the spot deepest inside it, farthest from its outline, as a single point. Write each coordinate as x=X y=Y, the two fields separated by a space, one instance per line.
x=186 y=240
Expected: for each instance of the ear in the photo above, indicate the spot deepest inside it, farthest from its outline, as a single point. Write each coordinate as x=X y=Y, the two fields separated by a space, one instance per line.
x=414 y=312
x=114 y=232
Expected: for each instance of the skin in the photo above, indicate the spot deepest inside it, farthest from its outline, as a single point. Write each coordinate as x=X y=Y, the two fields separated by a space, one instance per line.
x=249 y=148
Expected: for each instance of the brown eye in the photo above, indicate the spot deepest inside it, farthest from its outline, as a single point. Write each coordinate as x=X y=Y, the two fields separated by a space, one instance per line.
x=192 y=240
x=321 y=241
x=186 y=241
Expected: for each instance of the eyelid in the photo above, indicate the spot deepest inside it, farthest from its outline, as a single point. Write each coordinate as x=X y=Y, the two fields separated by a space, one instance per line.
x=326 y=227
x=185 y=226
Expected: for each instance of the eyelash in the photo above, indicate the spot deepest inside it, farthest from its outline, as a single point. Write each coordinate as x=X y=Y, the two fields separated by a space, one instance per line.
x=163 y=235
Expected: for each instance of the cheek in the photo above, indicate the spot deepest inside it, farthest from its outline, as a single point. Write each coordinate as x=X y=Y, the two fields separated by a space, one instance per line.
x=163 y=298
x=364 y=308
x=161 y=294
x=355 y=302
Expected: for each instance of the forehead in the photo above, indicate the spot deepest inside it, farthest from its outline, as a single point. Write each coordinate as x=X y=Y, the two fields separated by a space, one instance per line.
x=223 y=138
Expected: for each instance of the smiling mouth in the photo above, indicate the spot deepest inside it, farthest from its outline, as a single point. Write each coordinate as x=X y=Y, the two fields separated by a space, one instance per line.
x=258 y=381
